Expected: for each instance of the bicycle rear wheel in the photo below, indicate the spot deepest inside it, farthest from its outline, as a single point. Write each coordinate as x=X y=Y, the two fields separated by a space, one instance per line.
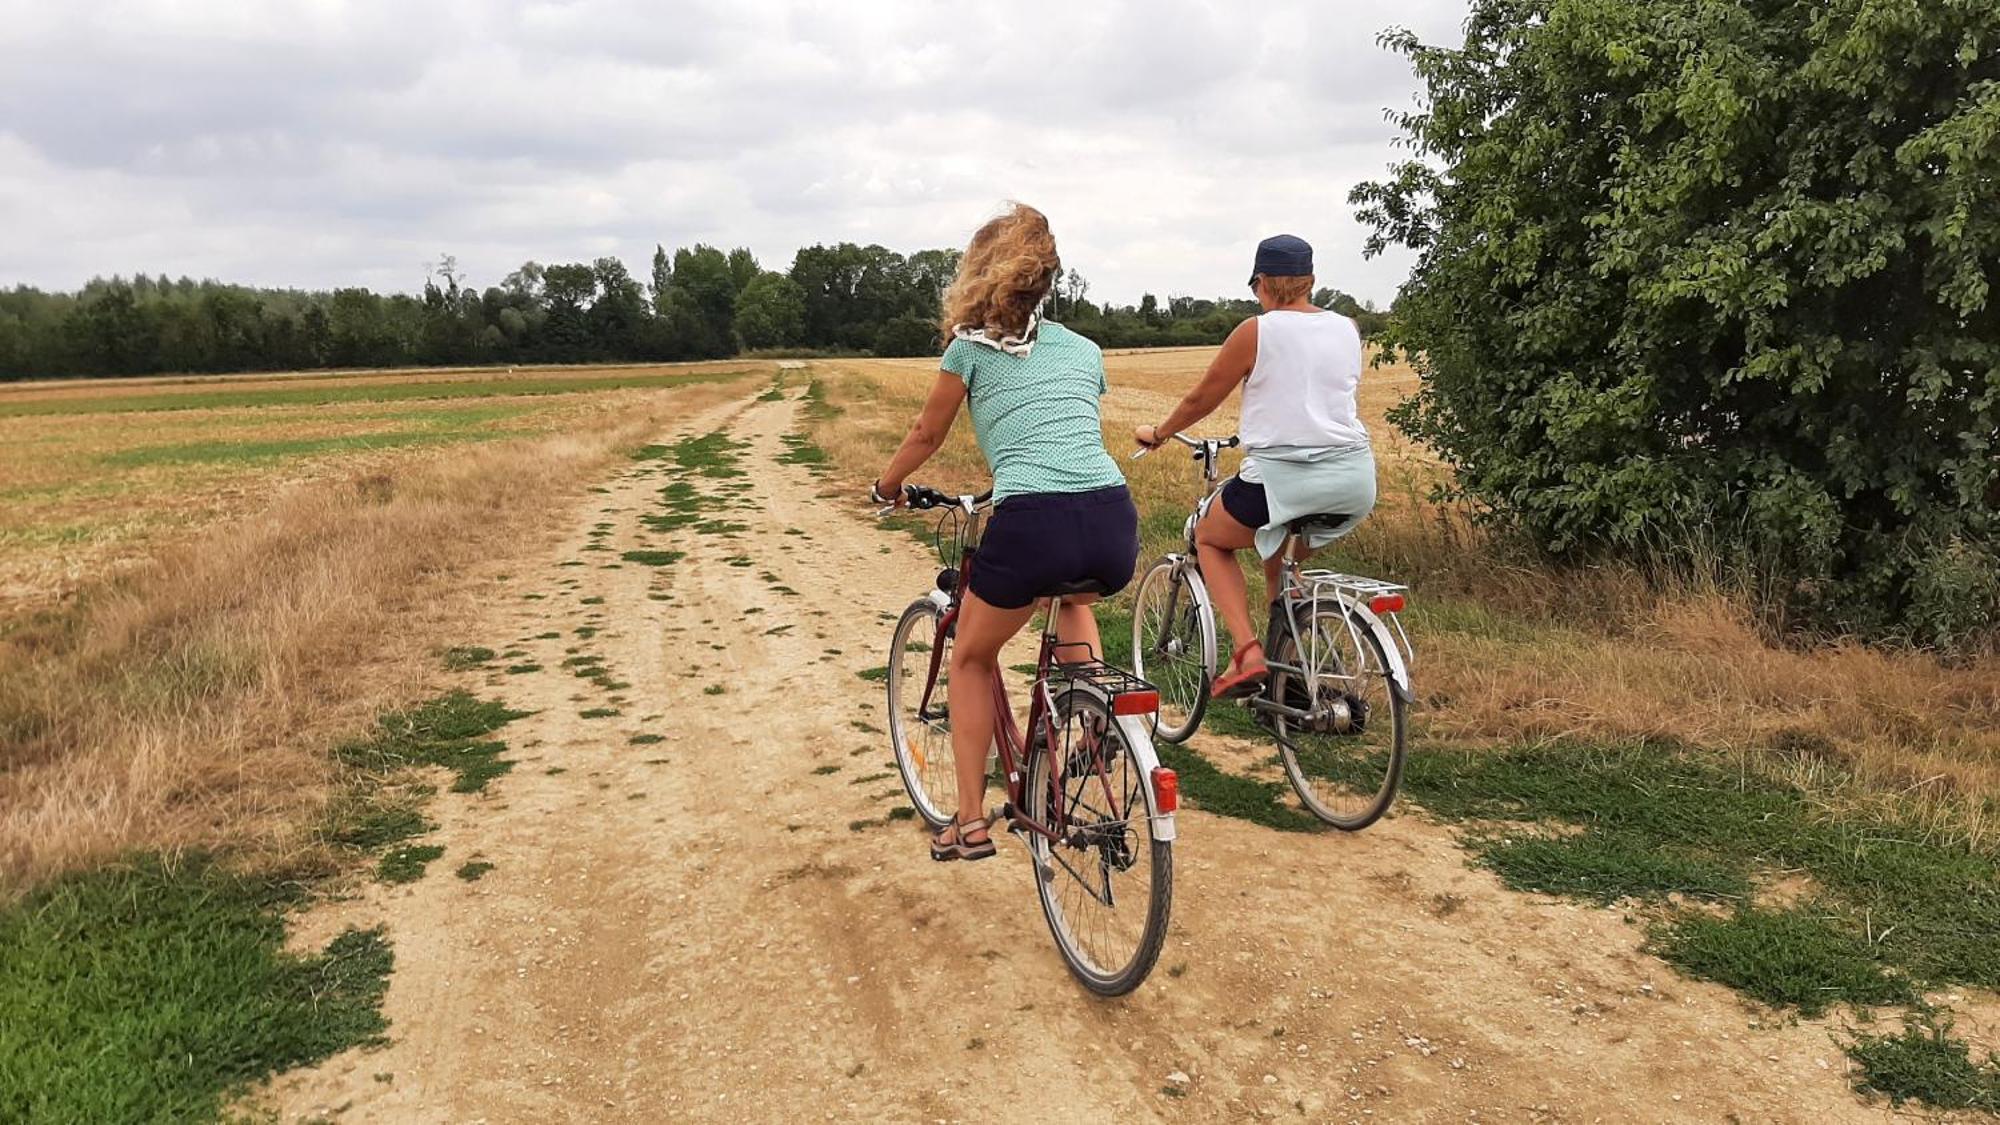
x=1346 y=759
x=921 y=736
x=1173 y=645
x=1107 y=886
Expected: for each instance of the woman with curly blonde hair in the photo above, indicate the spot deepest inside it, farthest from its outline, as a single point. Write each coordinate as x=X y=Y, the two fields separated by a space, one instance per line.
x=1061 y=512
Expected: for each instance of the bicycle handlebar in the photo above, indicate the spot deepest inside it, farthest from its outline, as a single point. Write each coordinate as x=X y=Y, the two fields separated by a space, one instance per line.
x=921 y=498
x=1199 y=445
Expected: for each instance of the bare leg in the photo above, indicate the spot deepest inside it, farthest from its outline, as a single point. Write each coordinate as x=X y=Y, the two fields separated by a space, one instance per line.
x=1077 y=624
x=1217 y=539
x=975 y=665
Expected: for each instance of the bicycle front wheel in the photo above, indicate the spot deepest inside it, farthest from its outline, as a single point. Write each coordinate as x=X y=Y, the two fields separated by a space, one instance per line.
x=1344 y=755
x=1173 y=645
x=920 y=733
x=1107 y=885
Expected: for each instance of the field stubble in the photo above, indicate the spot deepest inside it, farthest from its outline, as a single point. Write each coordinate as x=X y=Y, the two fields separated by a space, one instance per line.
x=188 y=699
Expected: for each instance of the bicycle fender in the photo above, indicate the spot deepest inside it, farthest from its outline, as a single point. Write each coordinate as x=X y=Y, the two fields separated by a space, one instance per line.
x=941 y=599
x=1138 y=731
x=1399 y=672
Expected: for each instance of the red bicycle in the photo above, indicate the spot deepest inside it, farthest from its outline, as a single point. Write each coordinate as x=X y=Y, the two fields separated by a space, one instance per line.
x=1085 y=793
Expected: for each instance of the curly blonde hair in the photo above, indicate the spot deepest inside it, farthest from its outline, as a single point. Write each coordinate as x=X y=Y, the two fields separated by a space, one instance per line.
x=1005 y=273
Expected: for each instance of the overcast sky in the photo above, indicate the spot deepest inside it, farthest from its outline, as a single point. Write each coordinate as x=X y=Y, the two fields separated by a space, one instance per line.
x=331 y=142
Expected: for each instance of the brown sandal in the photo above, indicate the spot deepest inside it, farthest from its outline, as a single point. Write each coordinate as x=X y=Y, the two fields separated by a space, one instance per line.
x=959 y=847
x=1243 y=683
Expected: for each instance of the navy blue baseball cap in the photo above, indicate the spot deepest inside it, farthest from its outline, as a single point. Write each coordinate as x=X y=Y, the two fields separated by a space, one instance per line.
x=1283 y=255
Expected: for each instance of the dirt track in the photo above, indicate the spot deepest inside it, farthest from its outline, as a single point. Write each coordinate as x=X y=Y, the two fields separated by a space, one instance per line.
x=691 y=928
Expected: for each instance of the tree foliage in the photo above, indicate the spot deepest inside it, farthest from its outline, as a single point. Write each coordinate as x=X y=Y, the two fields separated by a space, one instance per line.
x=1718 y=277
x=698 y=303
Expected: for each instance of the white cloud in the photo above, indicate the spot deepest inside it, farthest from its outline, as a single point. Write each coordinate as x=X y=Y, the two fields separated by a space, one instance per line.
x=321 y=142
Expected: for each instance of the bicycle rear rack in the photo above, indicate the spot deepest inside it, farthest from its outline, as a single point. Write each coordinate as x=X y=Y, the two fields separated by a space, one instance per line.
x=1383 y=599
x=1129 y=695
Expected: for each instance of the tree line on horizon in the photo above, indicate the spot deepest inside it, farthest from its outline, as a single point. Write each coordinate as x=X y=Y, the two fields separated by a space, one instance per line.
x=699 y=302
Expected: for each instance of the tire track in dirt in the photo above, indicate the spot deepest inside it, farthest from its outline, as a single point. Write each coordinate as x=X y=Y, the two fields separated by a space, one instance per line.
x=691 y=928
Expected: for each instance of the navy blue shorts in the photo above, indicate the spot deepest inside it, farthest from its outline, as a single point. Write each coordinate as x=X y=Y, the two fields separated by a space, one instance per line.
x=1244 y=501
x=1035 y=542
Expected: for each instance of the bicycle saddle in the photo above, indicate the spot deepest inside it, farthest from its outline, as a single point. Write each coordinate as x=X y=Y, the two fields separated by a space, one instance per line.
x=1072 y=589
x=1318 y=521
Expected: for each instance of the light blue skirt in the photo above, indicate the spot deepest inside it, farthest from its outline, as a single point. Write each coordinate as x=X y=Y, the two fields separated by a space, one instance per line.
x=1301 y=481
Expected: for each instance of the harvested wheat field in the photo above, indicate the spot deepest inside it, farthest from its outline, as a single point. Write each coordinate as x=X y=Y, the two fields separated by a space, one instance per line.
x=564 y=700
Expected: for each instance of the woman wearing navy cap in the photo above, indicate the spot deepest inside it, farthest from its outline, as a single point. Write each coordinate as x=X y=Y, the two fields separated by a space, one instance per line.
x=1305 y=450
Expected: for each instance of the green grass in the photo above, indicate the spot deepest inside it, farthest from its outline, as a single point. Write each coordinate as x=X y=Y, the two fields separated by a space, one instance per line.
x=816 y=404
x=407 y=863
x=148 y=992
x=1799 y=958
x=1925 y=1063
x=523 y=669
x=800 y=450
x=369 y=822
x=1885 y=912
x=472 y=872
x=328 y=391
x=645 y=739
x=1212 y=790
x=1649 y=821
x=654 y=558
x=877 y=674
x=826 y=769
x=598 y=713
x=447 y=731
x=464 y=658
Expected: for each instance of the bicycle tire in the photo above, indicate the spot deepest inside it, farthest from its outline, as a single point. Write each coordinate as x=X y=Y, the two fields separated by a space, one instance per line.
x=922 y=746
x=1353 y=762
x=1053 y=864
x=1183 y=680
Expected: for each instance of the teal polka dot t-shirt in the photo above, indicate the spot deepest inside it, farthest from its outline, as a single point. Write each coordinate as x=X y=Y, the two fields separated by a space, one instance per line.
x=1036 y=416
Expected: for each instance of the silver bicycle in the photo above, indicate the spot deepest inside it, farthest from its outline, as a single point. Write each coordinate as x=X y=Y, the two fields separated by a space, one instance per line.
x=1338 y=696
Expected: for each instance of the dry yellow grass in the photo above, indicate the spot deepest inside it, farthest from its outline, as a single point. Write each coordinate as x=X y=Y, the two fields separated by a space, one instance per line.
x=96 y=475
x=190 y=701
x=1510 y=650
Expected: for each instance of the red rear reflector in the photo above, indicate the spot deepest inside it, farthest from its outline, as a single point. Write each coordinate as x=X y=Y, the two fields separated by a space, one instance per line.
x=1135 y=703
x=1386 y=603
x=1166 y=789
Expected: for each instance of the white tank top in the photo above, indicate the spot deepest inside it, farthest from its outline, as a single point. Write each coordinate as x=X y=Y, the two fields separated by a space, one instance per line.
x=1301 y=391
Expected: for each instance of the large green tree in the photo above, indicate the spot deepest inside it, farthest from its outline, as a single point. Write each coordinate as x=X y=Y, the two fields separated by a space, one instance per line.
x=1711 y=276
x=770 y=312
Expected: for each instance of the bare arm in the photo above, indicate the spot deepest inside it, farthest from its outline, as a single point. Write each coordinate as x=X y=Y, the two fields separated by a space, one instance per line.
x=1232 y=365
x=933 y=423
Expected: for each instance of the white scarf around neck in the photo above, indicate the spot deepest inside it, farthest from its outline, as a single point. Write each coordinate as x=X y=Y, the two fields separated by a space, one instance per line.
x=1019 y=345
